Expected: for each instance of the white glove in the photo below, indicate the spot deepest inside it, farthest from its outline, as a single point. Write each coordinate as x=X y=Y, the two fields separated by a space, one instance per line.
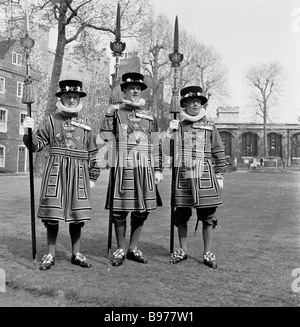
x=158 y=177
x=92 y=184
x=221 y=182
x=111 y=108
x=28 y=123
x=173 y=125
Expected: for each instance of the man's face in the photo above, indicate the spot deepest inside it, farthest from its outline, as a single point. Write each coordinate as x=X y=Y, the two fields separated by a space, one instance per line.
x=70 y=100
x=133 y=93
x=193 y=107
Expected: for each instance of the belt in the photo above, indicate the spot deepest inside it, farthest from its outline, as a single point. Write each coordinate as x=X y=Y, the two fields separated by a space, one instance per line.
x=134 y=147
x=71 y=153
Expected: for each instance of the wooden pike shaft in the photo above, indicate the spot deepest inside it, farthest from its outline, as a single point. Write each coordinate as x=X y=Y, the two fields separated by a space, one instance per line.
x=175 y=58
x=28 y=101
x=117 y=47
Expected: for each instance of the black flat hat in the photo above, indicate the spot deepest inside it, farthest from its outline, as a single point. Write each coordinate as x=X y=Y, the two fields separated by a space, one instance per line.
x=192 y=92
x=70 y=86
x=133 y=78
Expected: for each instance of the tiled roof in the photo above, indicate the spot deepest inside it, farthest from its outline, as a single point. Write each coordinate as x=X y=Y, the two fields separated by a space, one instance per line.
x=5 y=45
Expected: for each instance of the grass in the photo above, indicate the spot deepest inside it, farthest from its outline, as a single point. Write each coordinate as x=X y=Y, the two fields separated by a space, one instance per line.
x=256 y=243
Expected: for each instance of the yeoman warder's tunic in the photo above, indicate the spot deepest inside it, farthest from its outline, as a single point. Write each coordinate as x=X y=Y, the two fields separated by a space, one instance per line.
x=199 y=157
x=137 y=158
x=65 y=193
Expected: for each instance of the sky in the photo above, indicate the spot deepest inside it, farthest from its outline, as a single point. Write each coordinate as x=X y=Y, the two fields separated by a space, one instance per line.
x=246 y=32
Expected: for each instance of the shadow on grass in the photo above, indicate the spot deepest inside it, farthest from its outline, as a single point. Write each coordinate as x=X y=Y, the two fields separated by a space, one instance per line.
x=19 y=250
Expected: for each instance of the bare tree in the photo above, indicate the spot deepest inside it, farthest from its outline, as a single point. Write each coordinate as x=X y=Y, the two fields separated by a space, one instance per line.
x=265 y=82
x=207 y=70
x=155 y=42
x=78 y=20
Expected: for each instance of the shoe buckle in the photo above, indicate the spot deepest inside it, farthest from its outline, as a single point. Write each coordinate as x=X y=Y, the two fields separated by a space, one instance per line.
x=47 y=258
x=137 y=252
x=209 y=256
x=179 y=254
x=119 y=253
x=80 y=257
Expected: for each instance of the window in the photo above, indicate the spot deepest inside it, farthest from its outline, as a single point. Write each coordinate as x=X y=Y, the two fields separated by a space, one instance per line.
x=274 y=145
x=2 y=84
x=2 y=156
x=3 y=120
x=22 y=117
x=249 y=145
x=17 y=59
x=227 y=141
x=296 y=146
x=20 y=89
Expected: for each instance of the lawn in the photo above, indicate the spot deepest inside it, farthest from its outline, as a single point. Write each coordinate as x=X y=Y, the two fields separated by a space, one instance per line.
x=256 y=243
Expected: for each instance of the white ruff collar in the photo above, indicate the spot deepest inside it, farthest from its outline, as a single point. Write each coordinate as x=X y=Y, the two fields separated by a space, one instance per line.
x=61 y=107
x=196 y=118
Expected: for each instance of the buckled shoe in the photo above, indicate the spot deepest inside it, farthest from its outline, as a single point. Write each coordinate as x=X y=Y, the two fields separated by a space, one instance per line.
x=47 y=261
x=118 y=257
x=178 y=256
x=80 y=260
x=209 y=260
x=136 y=255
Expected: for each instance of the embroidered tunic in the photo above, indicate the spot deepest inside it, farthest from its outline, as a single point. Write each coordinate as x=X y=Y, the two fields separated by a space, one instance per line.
x=137 y=158
x=65 y=191
x=199 y=156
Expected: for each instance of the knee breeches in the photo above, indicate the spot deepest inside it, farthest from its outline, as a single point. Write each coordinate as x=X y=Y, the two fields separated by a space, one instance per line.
x=206 y=215
x=49 y=223
x=119 y=217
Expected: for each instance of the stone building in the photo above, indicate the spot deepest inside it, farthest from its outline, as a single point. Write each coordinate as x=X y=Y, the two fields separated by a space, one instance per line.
x=13 y=153
x=245 y=140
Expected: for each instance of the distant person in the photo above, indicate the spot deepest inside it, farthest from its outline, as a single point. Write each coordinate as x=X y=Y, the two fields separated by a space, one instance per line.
x=198 y=182
x=261 y=162
x=70 y=172
x=138 y=166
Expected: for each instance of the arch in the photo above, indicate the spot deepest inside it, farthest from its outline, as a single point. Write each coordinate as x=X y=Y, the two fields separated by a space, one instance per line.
x=227 y=141
x=249 y=144
x=296 y=145
x=274 y=141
